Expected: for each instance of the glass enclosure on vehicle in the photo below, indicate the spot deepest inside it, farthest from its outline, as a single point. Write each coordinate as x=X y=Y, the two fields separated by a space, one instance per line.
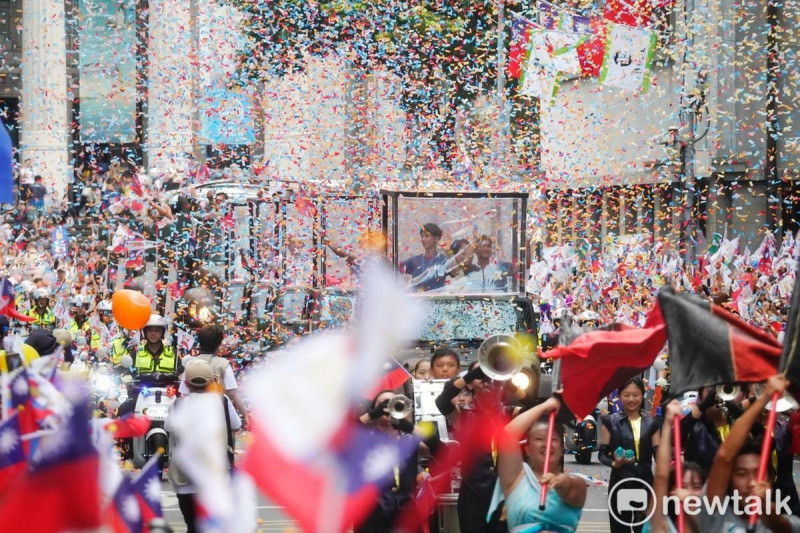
x=457 y=243
x=345 y=221
x=265 y=244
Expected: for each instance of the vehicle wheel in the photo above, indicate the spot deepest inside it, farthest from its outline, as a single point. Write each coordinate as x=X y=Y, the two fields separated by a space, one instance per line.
x=583 y=457
x=154 y=444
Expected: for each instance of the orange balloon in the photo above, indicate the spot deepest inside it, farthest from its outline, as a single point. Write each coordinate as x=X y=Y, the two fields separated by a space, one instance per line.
x=131 y=309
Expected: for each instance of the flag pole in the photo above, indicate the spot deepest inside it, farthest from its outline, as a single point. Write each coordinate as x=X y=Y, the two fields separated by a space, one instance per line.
x=547 y=454
x=548 y=447
x=677 y=450
x=766 y=451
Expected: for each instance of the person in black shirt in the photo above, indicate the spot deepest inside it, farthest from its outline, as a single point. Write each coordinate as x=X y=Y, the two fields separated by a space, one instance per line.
x=397 y=497
x=637 y=435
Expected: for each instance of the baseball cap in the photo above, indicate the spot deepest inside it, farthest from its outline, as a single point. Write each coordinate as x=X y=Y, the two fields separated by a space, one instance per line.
x=198 y=373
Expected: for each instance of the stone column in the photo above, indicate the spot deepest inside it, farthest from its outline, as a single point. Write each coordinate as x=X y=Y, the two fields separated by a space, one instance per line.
x=44 y=131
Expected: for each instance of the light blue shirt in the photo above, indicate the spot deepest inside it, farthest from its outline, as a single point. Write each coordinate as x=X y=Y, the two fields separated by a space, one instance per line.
x=522 y=507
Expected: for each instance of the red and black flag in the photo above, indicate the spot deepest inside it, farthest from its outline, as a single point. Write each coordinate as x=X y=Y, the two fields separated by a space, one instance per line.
x=596 y=362
x=709 y=345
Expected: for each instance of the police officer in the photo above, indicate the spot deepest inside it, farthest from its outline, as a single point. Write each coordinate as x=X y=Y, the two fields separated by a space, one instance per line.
x=79 y=308
x=152 y=355
x=106 y=318
x=589 y=319
x=116 y=341
x=43 y=318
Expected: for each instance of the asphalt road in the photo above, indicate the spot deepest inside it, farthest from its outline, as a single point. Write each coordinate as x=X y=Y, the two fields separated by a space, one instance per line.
x=273 y=519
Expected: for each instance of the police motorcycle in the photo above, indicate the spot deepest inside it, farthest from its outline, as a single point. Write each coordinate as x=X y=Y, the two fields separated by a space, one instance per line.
x=157 y=392
x=585 y=438
x=108 y=385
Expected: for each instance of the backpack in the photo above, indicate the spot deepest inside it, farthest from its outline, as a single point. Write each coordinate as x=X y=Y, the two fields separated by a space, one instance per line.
x=218 y=366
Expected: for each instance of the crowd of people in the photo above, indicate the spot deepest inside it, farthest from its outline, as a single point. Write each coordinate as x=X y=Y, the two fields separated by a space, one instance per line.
x=64 y=282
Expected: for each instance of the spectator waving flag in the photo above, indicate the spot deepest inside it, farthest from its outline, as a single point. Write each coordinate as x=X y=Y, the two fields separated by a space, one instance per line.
x=6 y=166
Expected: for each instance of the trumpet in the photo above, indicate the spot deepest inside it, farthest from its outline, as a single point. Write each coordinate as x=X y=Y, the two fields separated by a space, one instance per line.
x=400 y=406
x=728 y=392
x=501 y=357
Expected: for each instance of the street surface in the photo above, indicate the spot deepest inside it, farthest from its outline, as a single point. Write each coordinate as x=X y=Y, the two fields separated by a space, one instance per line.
x=272 y=518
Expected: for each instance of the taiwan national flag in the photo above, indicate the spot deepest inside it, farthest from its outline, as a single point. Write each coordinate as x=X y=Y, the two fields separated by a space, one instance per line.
x=59 y=491
x=127 y=514
x=308 y=453
x=147 y=488
x=709 y=345
x=394 y=377
x=336 y=489
x=127 y=426
x=12 y=454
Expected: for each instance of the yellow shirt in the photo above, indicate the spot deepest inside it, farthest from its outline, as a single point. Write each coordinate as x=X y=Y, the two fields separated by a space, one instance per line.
x=636 y=426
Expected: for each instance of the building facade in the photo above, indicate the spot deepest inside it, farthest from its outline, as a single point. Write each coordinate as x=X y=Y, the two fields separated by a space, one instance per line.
x=717 y=131
x=145 y=81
